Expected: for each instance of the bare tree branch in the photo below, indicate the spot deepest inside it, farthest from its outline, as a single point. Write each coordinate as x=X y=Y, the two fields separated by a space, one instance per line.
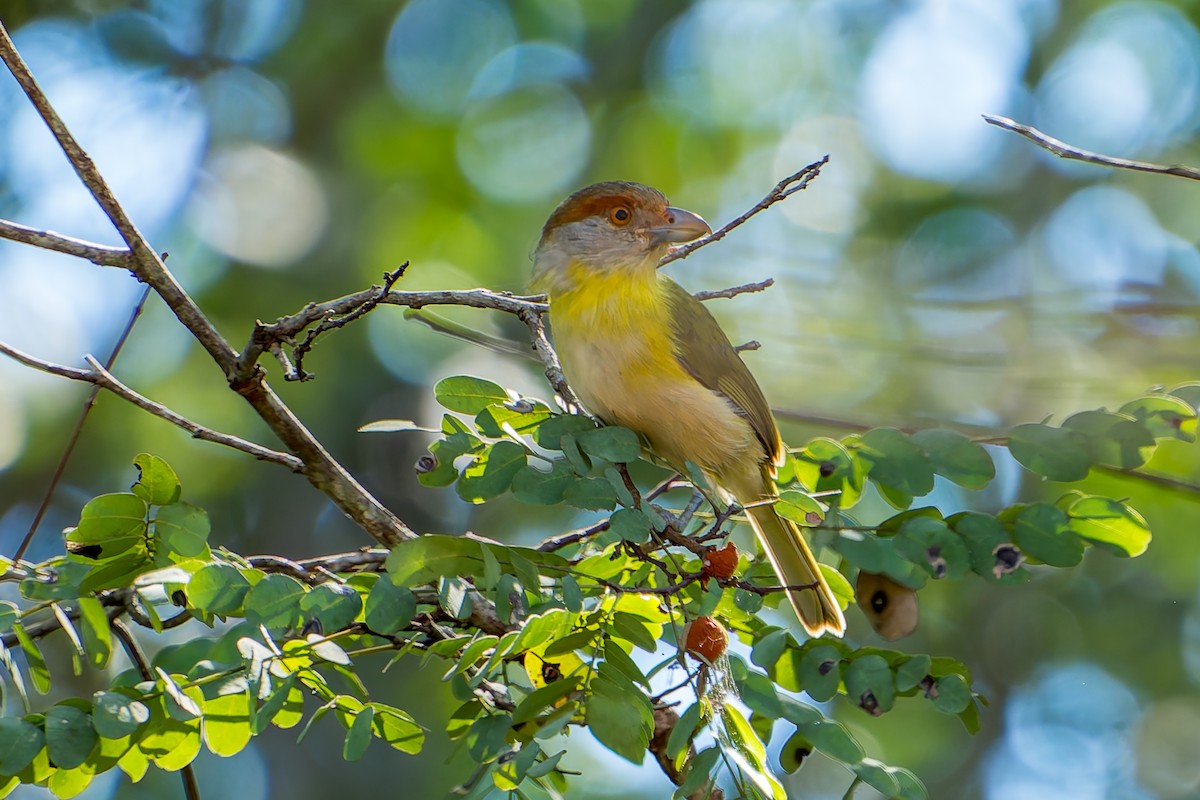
x=1064 y=150
x=322 y=470
x=784 y=189
x=734 y=291
x=102 y=378
x=98 y=254
x=73 y=438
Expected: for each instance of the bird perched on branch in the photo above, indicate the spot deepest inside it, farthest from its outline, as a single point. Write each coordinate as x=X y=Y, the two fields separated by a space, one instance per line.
x=641 y=352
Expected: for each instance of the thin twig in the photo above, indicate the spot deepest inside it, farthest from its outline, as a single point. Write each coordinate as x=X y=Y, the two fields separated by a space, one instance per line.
x=99 y=254
x=734 y=291
x=1064 y=150
x=191 y=789
x=321 y=469
x=103 y=379
x=785 y=188
x=74 y=437
x=331 y=323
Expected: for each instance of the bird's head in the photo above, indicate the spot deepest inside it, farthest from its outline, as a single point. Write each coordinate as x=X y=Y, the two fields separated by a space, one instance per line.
x=615 y=225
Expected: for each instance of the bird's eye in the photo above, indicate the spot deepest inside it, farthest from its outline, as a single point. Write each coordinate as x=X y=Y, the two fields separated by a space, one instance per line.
x=620 y=215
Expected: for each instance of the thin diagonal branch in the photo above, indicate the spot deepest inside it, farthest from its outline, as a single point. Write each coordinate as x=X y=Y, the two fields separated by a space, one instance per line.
x=734 y=291
x=1064 y=150
x=191 y=789
x=88 y=404
x=98 y=254
x=102 y=378
x=323 y=471
x=784 y=189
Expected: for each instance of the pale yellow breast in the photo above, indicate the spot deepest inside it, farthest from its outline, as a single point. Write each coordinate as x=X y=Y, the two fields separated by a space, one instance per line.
x=613 y=337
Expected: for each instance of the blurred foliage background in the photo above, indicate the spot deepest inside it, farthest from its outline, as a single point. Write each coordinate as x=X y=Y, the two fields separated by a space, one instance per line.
x=939 y=271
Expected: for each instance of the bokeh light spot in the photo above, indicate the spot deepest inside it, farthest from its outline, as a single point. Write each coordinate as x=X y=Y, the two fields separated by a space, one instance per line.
x=260 y=206
x=526 y=144
x=931 y=73
x=436 y=48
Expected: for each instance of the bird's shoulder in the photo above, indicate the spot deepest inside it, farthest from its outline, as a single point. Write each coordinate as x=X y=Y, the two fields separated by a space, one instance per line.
x=706 y=353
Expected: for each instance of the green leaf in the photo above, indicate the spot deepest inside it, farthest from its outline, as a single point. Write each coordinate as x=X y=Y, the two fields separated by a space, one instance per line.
x=227 y=723
x=611 y=443
x=682 y=733
x=492 y=472
x=359 y=735
x=833 y=739
x=550 y=433
x=116 y=715
x=878 y=776
x=394 y=426
x=486 y=738
x=9 y=614
x=20 y=741
x=1113 y=439
x=1099 y=519
x=769 y=647
x=910 y=673
x=532 y=485
x=826 y=465
x=468 y=395
x=274 y=602
x=1165 y=416
x=617 y=658
x=795 y=750
x=116 y=522
x=437 y=467
x=982 y=534
x=800 y=508
x=70 y=737
x=273 y=705
x=1041 y=532
x=117 y=572
x=522 y=417
x=896 y=462
x=426 y=558
x=758 y=693
x=620 y=717
x=929 y=543
x=631 y=524
x=335 y=605
x=1056 y=453
x=911 y=787
x=697 y=772
x=97 y=636
x=956 y=457
x=181 y=529
x=594 y=494
x=157 y=483
x=632 y=628
x=218 y=589
x=397 y=728
x=38 y=671
x=870 y=684
x=820 y=672
x=543 y=698
x=454 y=599
x=953 y=694
x=572 y=596
x=389 y=608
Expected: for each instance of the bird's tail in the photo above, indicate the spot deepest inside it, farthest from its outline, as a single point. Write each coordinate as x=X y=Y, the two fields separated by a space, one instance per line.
x=796 y=565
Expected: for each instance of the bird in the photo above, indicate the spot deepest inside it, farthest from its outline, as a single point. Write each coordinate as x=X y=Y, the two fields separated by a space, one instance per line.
x=640 y=351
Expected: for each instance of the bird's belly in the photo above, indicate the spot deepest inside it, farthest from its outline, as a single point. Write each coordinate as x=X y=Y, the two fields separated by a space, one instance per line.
x=640 y=385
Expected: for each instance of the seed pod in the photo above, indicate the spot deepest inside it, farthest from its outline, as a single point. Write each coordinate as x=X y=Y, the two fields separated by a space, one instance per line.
x=705 y=638
x=720 y=562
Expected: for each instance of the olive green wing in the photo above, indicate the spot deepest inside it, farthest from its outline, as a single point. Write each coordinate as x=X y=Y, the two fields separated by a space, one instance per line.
x=706 y=353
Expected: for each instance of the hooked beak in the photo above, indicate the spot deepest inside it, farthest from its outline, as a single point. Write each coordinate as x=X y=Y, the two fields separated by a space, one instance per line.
x=682 y=226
